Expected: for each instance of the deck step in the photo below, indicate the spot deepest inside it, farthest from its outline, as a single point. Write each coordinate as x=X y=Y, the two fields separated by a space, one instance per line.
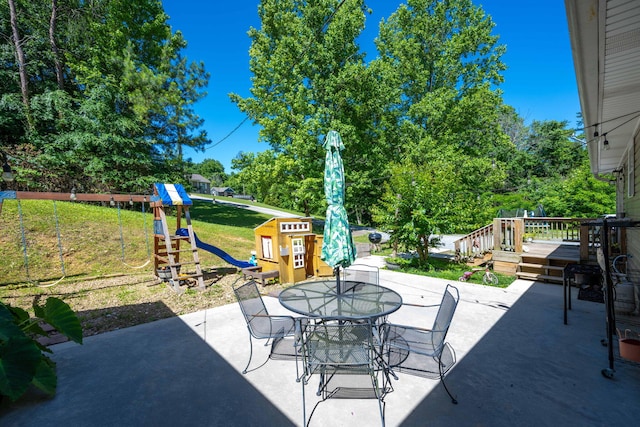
x=538 y=277
x=541 y=266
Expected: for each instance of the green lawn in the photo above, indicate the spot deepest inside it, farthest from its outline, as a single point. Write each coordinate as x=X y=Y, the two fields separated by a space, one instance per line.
x=445 y=269
x=96 y=240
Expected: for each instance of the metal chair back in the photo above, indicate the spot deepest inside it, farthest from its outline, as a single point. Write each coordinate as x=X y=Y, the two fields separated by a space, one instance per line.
x=423 y=352
x=253 y=309
x=361 y=273
x=443 y=318
x=344 y=355
x=262 y=325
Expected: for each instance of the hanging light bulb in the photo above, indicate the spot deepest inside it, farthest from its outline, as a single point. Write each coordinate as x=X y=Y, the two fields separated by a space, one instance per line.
x=605 y=143
x=73 y=196
x=112 y=202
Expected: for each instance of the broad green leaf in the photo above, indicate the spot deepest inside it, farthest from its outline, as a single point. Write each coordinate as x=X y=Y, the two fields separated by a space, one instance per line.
x=19 y=359
x=45 y=377
x=58 y=314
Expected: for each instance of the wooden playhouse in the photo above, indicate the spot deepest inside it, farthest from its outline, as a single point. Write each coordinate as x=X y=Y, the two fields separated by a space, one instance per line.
x=289 y=247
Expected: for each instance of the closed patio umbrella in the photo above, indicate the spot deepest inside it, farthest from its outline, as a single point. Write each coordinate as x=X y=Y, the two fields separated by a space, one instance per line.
x=337 y=246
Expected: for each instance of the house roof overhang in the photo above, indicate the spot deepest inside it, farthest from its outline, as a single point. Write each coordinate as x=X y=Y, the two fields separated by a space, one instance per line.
x=605 y=41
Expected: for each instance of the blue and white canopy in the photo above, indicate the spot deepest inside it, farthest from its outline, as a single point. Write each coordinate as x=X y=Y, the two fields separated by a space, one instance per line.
x=173 y=195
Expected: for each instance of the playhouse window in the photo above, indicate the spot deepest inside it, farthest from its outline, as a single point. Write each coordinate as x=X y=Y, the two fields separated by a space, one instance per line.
x=293 y=227
x=297 y=246
x=267 y=247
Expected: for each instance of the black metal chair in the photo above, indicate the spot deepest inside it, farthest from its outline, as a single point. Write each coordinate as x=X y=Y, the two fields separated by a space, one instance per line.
x=277 y=330
x=344 y=356
x=423 y=352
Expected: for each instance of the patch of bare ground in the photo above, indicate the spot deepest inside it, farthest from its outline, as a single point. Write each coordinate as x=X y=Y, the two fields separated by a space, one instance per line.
x=108 y=304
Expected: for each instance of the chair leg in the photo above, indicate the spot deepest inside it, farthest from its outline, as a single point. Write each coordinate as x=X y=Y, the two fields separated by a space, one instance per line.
x=304 y=406
x=379 y=396
x=453 y=399
x=250 y=355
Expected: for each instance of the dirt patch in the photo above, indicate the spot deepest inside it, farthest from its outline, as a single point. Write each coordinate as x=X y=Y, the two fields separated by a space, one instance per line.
x=119 y=302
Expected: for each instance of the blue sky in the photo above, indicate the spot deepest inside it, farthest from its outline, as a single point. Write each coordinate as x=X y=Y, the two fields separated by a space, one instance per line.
x=539 y=82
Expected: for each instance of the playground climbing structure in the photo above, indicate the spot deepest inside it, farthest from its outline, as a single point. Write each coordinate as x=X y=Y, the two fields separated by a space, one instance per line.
x=172 y=251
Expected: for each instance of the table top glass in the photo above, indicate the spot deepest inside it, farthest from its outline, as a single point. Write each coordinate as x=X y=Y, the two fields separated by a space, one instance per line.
x=357 y=301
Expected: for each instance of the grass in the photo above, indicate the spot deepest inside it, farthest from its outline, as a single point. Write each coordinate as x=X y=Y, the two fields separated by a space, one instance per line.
x=445 y=269
x=98 y=241
x=101 y=283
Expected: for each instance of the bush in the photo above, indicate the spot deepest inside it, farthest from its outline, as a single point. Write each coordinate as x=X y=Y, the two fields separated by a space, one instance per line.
x=23 y=360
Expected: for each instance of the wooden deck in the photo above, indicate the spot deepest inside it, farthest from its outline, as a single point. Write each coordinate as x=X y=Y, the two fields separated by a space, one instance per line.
x=556 y=251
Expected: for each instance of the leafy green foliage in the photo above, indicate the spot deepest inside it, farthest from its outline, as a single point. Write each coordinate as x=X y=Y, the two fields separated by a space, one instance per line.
x=212 y=170
x=117 y=115
x=309 y=78
x=580 y=195
x=442 y=62
x=22 y=359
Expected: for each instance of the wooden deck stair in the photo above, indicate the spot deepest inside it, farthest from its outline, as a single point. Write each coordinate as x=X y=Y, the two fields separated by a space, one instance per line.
x=542 y=262
x=546 y=261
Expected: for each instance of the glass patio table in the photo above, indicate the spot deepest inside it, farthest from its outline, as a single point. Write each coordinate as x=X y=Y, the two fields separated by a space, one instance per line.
x=359 y=300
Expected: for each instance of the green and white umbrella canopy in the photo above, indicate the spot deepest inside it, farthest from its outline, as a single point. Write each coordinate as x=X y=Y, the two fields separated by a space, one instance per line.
x=338 y=249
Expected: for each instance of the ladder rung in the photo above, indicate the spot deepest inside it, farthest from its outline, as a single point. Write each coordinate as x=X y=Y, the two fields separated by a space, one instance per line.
x=185 y=263
x=161 y=237
x=185 y=250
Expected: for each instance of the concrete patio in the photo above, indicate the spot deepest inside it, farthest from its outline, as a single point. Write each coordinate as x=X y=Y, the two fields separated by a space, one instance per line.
x=517 y=365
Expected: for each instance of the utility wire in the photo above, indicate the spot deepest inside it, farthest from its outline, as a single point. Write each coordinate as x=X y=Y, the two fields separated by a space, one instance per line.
x=228 y=135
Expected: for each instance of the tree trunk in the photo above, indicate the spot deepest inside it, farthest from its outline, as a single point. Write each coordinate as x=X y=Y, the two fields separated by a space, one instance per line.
x=358 y=216
x=307 y=210
x=423 y=248
x=54 y=47
x=22 y=62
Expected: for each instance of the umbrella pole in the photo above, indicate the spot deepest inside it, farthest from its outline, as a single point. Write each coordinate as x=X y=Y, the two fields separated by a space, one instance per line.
x=336 y=271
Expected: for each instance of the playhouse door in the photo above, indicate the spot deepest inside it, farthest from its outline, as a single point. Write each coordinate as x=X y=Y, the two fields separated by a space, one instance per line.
x=309 y=244
x=320 y=268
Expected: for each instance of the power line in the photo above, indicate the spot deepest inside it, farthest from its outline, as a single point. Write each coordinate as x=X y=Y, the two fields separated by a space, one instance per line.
x=228 y=135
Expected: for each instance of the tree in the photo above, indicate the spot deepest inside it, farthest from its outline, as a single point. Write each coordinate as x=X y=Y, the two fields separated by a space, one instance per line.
x=557 y=154
x=309 y=78
x=444 y=62
x=212 y=170
x=266 y=176
x=444 y=193
x=22 y=60
x=109 y=96
x=580 y=195
x=441 y=64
